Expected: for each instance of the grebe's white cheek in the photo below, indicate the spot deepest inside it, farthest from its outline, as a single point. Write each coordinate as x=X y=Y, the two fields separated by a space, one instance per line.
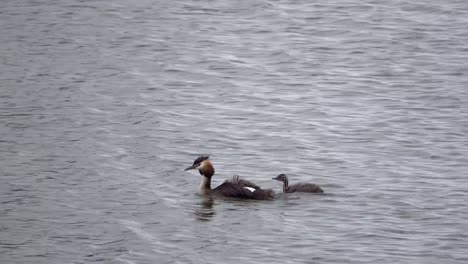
x=250 y=189
x=202 y=166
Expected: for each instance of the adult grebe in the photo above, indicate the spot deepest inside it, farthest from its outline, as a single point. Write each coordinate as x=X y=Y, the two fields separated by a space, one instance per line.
x=298 y=187
x=234 y=188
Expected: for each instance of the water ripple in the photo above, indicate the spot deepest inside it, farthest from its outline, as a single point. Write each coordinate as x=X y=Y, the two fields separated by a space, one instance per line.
x=104 y=104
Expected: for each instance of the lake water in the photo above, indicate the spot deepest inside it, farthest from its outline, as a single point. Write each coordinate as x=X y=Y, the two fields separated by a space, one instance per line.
x=104 y=103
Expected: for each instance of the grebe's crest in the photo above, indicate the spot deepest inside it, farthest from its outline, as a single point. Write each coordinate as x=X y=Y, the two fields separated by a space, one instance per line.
x=200 y=159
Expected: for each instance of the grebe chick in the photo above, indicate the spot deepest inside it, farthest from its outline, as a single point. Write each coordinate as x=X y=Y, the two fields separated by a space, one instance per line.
x=298 y=187
x=236 y=188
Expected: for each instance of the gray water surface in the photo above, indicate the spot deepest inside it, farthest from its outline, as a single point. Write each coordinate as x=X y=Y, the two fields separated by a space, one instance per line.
x=104 y=103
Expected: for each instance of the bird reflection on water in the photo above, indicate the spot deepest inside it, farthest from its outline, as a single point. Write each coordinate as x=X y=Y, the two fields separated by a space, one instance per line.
x=205 y=212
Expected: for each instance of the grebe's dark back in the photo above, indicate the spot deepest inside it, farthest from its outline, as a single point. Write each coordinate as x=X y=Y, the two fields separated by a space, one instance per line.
x=245 y=183
x=236 y=187
x=298 y=187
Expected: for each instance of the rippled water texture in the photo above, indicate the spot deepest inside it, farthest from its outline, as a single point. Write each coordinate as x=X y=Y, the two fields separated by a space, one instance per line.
x=104 y=103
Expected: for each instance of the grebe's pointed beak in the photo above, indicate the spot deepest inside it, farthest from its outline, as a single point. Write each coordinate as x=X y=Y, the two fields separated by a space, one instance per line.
x=192 y=167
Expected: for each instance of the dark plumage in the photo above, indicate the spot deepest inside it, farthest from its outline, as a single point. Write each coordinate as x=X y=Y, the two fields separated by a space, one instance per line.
x=298 y=187
x=245 y=183
x=200 y=159
x=236 y=187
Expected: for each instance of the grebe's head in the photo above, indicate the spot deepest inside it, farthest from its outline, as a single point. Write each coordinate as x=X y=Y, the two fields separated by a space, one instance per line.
x=282 y=177
x=203 y=165
x=198 y=163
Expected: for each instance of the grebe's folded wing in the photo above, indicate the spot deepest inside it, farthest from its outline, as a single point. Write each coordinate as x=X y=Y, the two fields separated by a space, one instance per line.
x=230 y=189
x=244 y=183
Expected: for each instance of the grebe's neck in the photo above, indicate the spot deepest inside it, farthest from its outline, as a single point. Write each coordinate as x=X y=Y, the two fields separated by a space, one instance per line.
x=205 y=185
x=285 y=184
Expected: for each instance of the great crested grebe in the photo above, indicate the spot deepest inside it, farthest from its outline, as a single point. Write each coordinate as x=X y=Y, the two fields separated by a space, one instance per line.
x=298 y=187
x=236 y=187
